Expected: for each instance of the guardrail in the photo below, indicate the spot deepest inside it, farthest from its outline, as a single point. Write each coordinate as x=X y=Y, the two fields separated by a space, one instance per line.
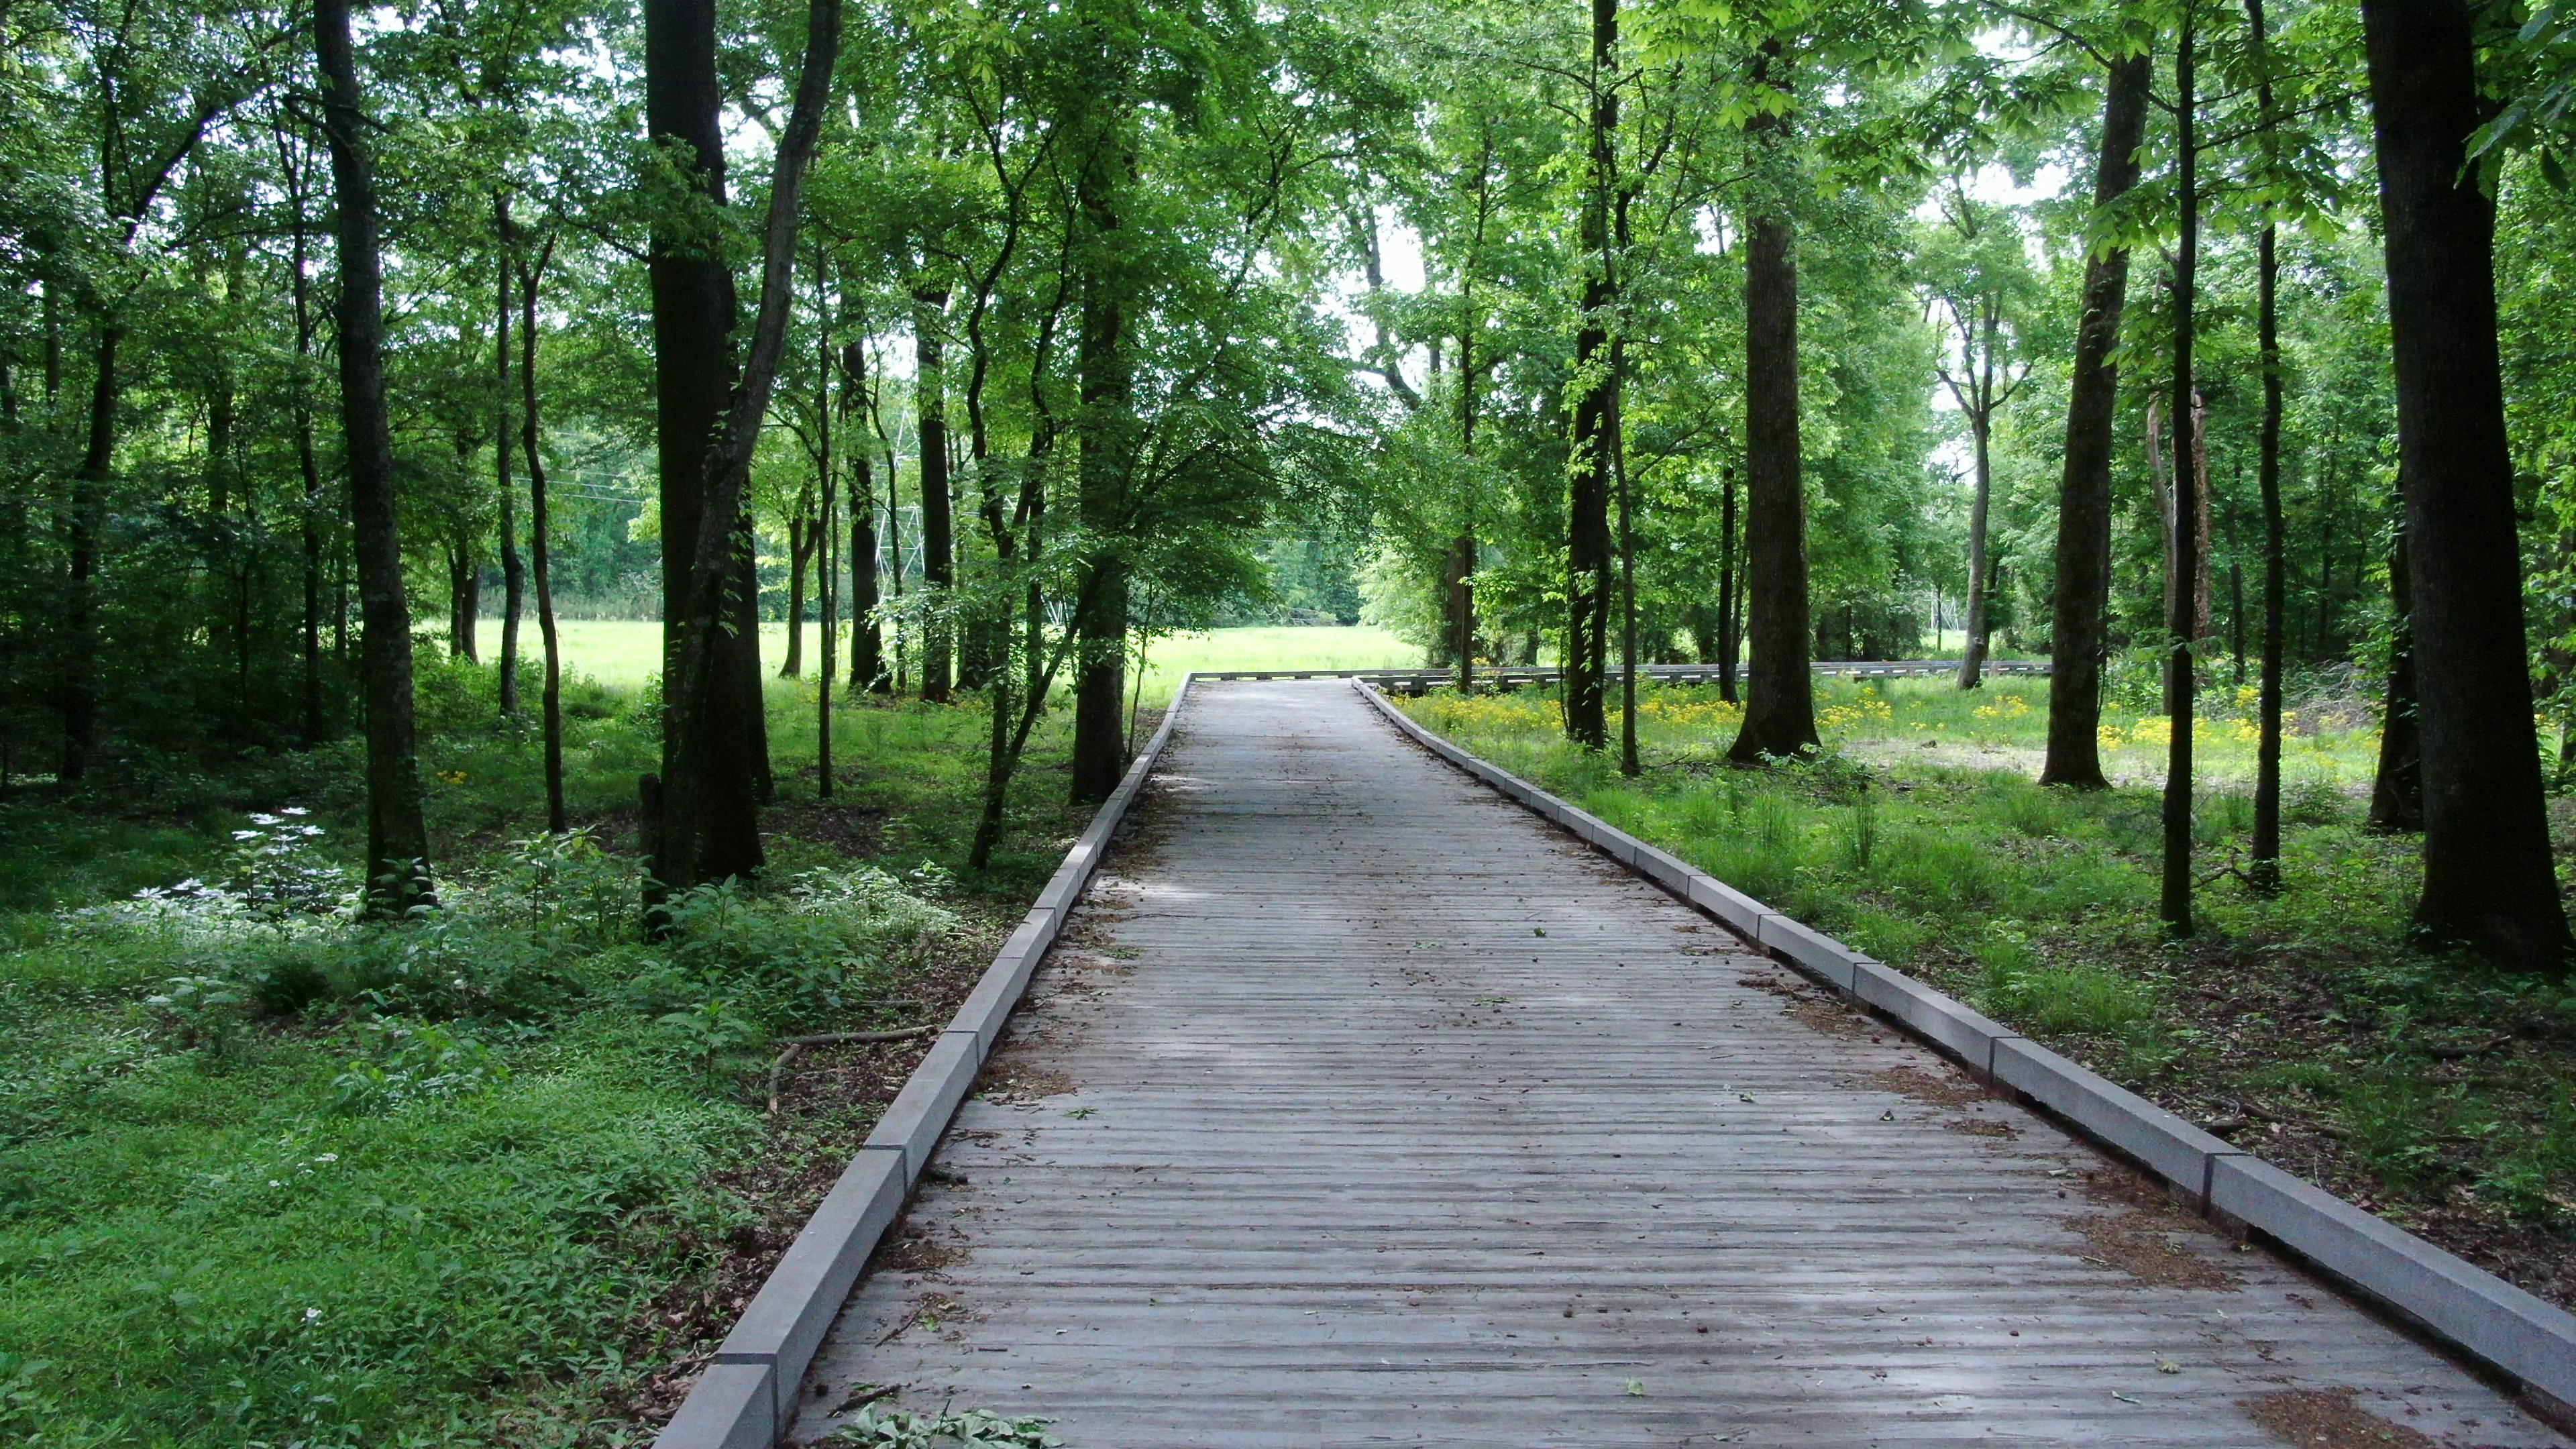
x=2528 y=1339
x=1513 y=676
x=746 y=1396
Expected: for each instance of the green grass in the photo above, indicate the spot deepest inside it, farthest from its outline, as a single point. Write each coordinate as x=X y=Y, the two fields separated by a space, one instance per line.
x=271 y=1177
x=623 y=654
x=2426 y=1085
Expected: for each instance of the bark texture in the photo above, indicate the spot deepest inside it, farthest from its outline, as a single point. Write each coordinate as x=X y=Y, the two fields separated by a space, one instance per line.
x=1780 y=703
x=2489 y=880
x=1588 y=470
x=1100 y=614
x=2182 y=560
x=2078 y=643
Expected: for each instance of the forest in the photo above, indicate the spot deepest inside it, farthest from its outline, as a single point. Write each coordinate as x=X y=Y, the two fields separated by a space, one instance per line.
x=912 y=374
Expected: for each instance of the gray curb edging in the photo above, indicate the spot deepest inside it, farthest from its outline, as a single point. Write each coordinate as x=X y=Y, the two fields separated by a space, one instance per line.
x=746 y=1397
x=2530 y=1340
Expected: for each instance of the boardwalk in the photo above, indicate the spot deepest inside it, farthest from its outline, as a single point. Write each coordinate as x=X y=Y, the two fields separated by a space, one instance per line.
x=1366 y=1109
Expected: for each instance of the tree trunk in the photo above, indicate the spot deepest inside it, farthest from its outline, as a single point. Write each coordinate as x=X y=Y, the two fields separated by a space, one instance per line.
x=2174 y=901
x=2264 y=870
x=464 y=596
x=708 y=828
x=800 y=549
x=513 y=572
x=894 y=555
x=867 y=636
x=1972 y=654
x=2489 y=880
x=1099 y=736
x=743 y=603
x=1727 y=590
x=938 y=527
x=1780 y=705
x=826 y=525
x=550 y=701
x=2397 y=791
x=2160 y=479
x=1587 y=504
x=721 y=555
x=397 y=877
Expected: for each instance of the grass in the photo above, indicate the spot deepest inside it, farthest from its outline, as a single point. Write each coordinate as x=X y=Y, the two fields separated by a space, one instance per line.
x=2305 y=1026
x=268 y=1176
x=624 y=654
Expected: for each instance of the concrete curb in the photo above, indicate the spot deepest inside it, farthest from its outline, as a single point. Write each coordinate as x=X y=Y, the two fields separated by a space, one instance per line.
x=2470 y=1309
x=746 y=1397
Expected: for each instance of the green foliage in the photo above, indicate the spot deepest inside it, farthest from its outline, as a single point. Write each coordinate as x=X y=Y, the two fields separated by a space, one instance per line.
x=408 y=1062
x=416 y=1182
x=962 y=1429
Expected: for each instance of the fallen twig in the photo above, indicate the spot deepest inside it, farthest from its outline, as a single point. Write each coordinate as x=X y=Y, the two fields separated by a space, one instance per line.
x=795 y=1044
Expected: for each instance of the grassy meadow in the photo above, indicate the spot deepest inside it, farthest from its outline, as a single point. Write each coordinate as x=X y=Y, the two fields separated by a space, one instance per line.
x=624 y=654
x=2304 y=1026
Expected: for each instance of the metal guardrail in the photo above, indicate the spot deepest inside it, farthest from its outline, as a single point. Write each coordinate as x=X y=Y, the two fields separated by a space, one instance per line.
x=1512 y=676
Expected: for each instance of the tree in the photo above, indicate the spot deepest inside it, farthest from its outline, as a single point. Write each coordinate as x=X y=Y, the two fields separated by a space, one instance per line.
x=1980 y=280
x=1597 y=360
x=705 y=828
x=398 y=879
x=2080 y=600
x=2183 y=613
x=2264 y=864
x=2489 y=879
x=1780 y=705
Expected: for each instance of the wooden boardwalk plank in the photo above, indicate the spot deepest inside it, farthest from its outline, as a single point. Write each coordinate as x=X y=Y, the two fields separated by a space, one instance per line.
x=1359 y=1107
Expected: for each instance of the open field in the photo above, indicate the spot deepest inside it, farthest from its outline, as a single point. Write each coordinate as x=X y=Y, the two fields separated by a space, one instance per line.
x=2305 y=1027
x=624 y=653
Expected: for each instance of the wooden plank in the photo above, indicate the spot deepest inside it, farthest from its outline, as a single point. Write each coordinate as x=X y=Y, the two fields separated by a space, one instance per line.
x=1306 y=1135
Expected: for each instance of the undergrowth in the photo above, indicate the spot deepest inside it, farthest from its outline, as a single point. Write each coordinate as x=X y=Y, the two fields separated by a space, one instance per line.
x=273 y=1175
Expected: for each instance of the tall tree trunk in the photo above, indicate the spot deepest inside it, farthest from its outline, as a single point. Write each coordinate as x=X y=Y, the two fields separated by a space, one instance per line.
x=398 y=877
x=1587 y=503
x=825 y=525
x=540 y=550
x=1727 y=590
x=742 y=602
x=894 y=554
x=514 y=576
x=1972 y=654
x=2200 y=552
x=707 y=828
x=721 y=557
x=867 y=636
x=1629 y=764
x=800 y=550
x=464 y=595
x=2080 y=602
x=2174 y=901
x=2489 y=880
x=2397 y=790
x=938 y=527
x=1099 y=736
x=1780 y=706
x=2264 y=870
